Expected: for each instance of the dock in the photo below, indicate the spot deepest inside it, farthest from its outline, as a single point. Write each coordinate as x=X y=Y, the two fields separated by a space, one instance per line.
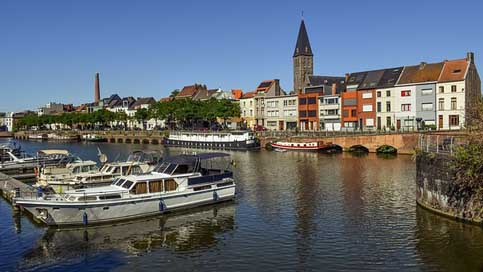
x=9 y=187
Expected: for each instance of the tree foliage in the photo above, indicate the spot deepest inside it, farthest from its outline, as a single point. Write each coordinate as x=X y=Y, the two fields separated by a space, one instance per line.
x=185 y=113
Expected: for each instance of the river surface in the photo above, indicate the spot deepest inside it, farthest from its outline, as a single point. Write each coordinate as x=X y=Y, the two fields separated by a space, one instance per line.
x=294 y=211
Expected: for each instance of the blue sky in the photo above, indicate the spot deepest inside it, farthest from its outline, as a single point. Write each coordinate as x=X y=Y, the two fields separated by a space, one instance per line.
x=50 y=50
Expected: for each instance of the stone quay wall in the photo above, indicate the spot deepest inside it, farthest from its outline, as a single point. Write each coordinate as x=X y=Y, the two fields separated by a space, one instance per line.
x=436 y=187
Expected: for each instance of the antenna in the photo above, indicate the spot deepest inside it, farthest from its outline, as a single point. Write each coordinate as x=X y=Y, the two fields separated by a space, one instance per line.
x=302 y=14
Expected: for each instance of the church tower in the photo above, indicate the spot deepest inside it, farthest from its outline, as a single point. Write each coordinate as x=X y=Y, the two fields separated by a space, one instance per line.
x=303 y=59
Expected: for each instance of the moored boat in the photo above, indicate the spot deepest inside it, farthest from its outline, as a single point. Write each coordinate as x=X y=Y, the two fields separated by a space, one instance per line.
x=138 y=163
x=93 y=138
x=180 y=182
x=232 y=140
x=302 y=146
x=21 y=165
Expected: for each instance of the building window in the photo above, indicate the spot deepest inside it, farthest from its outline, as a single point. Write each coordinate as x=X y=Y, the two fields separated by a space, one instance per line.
x=379 y=107
x=388 y=93
x=453 y=88
x=349 y=102
x=302 y=101
x=426 y=91
x=406 y=107
x=388 y=122
x=312 y=113
x=369 y=122
x=453 y=103
x=303 y=113
x=367 y=108
x=427 y=106
x=406 y=93
x=454 y=120
x=378 y=93
x=311 y=100
x=441 y=89
x=345 y=113
x=441 y=104
x=366 y=95
x=353 y=113
x=388 y=106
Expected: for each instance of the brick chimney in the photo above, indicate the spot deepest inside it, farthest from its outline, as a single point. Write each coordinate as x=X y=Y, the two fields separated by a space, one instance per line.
x=277 y=87
x=470 y=57
x=347 y=75
x=97 y=90
x=334 y=88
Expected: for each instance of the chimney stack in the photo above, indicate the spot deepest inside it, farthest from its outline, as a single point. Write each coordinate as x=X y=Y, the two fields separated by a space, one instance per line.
x=277 y=87
x=470 y=57
x=97 y=91
x=334 y=88
x=347 y=75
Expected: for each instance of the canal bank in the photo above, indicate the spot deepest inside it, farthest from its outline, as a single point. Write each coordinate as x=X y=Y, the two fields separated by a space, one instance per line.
x=438 y=189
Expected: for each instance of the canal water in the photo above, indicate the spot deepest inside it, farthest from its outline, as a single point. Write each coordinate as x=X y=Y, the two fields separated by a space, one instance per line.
x=294 y=211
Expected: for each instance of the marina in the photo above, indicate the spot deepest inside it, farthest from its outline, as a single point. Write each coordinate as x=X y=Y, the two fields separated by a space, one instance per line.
x=322 y=204
x=180 y=182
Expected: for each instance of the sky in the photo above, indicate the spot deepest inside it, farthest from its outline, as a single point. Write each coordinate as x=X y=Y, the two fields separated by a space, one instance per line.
x=51 y=50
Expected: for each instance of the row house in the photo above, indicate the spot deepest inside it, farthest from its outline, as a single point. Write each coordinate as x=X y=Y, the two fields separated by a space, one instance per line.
x=311 y=115
x=281 y=112
x=252 y=104
x=411 y=97
x=415 y=96
x=386 y=98
x=349 y=118
x=458 y=85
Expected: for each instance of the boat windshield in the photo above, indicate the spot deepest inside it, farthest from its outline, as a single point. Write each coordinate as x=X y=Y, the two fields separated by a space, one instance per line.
x=127 y=184
x=118 y=182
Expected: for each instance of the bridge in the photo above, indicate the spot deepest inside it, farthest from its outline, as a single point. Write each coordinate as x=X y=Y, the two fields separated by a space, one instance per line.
x=404 y=142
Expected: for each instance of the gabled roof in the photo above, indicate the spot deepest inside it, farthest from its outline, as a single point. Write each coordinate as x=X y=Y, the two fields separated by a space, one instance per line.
x=454 y=70
x=249 y=94
x=371 y=80
x=325 y=80
x=190 y=91
x=237 y=93
x=302 y=48
x=143 y=101
x=424 y=72
x=265 y=85
x=390 y=77
x=356 y=79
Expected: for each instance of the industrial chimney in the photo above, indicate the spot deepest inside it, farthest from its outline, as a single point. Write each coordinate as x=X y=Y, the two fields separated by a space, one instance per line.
x=97 y=91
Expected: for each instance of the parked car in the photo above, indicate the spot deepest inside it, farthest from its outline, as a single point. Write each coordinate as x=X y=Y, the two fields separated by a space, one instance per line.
x=259 y=128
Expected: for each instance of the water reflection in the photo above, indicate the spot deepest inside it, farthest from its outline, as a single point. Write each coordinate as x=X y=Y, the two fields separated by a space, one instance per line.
x=445 y=244
x=198 y=229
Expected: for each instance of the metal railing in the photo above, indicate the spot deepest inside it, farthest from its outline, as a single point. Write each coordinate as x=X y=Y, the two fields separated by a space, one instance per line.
x=440 y=143
x=321 y=134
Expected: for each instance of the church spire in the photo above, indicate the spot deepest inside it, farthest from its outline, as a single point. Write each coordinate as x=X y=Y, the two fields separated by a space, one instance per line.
x=302 y=48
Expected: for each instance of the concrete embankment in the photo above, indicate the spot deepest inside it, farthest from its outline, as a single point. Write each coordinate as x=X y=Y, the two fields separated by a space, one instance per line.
x=436 y=189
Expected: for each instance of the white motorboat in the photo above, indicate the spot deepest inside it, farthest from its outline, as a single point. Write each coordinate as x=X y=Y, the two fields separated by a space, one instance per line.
x=139 y=162
x=180 y=182
x=21 y=165
x=55 y=176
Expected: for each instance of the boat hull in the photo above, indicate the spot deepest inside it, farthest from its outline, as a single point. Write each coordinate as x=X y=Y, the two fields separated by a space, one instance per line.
x=235 y=145
x=299 y=148
x=78 y=213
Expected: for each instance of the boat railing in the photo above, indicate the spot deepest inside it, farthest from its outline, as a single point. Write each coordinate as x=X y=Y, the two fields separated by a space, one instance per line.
x=41 y=195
